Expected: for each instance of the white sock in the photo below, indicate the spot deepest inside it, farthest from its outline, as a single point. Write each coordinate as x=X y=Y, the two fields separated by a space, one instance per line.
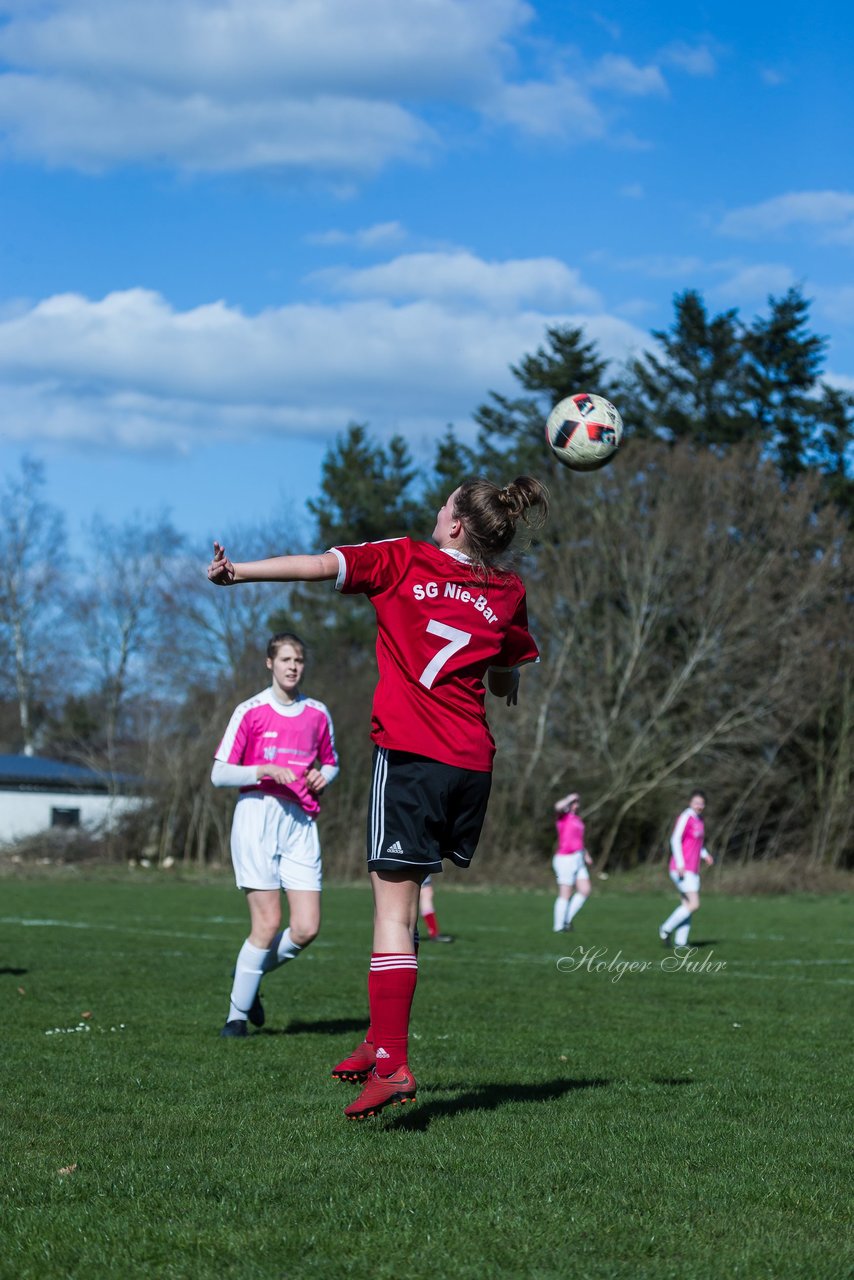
x=681 y=936
x=282 y=949
x=247 y=979
x=576 y=902
x=561 y=905
x=677 y=917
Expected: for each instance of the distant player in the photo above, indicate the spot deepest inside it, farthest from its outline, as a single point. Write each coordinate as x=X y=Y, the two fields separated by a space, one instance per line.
x=570 y=863
x=687 y=851
x=449 y=617
x=427 y=911
x=279 y=749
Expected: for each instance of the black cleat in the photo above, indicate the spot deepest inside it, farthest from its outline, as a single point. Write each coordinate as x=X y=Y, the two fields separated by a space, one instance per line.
x=235 y=1028
x=440 y=937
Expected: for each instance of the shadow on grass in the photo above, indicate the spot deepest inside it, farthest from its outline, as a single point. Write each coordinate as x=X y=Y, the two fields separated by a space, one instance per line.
x=672 y=1080
x=321 y=1027
x=16 y=972
x=704 y=942
x=488 y=1097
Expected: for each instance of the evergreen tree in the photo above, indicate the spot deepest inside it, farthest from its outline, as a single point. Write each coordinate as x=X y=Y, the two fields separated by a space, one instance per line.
x=697 y=389
x=510 y=439
x=365 y=490
x=784 y=364
x=835 y=445
x=366 y=494
x=453 y=462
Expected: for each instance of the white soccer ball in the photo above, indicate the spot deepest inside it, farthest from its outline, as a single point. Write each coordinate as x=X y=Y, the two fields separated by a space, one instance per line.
x=584 y=431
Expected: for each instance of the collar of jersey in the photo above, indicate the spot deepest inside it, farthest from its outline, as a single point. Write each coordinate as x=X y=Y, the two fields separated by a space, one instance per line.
x=285 y=708
x=458 y=555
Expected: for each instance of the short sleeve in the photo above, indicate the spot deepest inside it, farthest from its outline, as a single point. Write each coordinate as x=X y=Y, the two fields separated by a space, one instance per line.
x=518 y=647
x=370 y=567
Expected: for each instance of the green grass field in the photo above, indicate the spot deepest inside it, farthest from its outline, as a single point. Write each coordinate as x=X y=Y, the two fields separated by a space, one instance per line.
x=569 y=1123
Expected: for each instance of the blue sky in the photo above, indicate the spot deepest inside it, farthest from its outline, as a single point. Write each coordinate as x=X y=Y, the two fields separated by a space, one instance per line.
x=228 y=229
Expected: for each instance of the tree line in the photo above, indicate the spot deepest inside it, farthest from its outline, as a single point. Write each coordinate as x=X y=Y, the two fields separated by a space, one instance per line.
x=692 y=602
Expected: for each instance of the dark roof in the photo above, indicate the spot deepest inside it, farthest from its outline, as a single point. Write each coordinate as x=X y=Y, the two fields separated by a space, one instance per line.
x=39 y=771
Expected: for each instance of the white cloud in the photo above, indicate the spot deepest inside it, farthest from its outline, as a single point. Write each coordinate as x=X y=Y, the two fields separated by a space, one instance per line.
x=322 y=85
x=758 y=280
x=830 y=211
x=460 y=277
x=381 y=233
x=655 y=266
x=843 y=381
x=244 y=83
x=620 y=75
x=133 y=372
x=837 y=303
x=559 y=108
x=694 y=59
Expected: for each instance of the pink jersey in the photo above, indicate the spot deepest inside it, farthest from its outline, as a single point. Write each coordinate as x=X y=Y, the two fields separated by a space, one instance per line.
x=263 y=730
x=440 y=627
x=687 y=838
x=570 y=833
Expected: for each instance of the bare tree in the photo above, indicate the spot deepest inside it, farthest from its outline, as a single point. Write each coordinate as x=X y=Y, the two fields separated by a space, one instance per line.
x=32 y=590
x=680 y=603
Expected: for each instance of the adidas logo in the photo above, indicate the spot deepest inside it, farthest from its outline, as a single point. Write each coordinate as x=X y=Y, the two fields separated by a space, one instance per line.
x=381 y=1053
x=395 y=848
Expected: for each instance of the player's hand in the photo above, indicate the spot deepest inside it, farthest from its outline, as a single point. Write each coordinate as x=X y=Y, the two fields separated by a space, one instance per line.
x=220 y=569
x=278 y=773
x=315 y=781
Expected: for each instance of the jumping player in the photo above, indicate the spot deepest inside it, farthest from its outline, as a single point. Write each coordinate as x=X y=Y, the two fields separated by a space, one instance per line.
x=279 y=749
x=450 y=616
x=570 y=863
x=687 y=851
x=427 y=911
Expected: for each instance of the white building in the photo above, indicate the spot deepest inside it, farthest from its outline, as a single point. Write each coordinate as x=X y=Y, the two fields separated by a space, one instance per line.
x=37 y=794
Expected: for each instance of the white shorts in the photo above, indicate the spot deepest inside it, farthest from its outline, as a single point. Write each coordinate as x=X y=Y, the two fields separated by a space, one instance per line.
x=274 y=845
x=688 y=882
x=569 y=867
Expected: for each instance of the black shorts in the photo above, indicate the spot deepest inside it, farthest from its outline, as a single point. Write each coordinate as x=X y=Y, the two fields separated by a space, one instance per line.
x=422 y=811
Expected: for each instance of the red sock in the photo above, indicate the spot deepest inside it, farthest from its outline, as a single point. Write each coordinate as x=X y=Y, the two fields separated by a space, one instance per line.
x=391 y=986
x=432 y=923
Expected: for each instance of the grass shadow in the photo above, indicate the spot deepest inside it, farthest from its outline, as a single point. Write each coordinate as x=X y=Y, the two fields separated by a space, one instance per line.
x=489 y=1097
x=672 y=1080
x=320 y=1027
x=15 y=972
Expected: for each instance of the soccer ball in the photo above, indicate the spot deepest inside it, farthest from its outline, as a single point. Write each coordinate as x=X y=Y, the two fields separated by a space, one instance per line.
x=584 y=432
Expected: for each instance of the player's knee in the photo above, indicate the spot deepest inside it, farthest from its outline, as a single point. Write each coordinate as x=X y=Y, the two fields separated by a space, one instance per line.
x=305 y=932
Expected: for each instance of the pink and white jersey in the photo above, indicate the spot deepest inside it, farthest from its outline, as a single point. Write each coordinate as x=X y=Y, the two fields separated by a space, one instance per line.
x=263 y=730
x=687 y=839
x=570 y=833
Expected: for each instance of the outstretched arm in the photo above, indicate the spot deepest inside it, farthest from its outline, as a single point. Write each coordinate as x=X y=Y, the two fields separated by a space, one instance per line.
x=225 y=573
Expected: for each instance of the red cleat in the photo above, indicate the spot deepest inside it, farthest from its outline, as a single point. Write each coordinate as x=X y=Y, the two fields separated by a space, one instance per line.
x=358 y=1066
x=381 y=1092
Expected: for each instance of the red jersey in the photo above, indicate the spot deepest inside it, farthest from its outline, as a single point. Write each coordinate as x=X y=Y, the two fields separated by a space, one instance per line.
x=440 y=628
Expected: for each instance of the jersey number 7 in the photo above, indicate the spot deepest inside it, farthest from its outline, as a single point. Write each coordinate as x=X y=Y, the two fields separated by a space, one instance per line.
x=456 y=640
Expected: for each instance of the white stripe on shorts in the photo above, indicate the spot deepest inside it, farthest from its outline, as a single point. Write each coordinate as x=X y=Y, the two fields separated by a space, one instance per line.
x=378 y=809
